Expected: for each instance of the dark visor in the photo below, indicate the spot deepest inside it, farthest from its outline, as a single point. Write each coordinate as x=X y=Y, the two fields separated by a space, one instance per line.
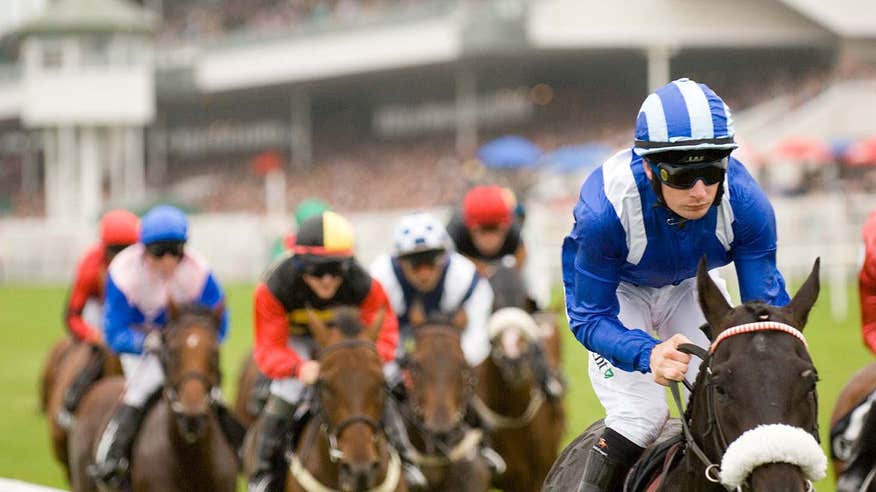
x=685 y=176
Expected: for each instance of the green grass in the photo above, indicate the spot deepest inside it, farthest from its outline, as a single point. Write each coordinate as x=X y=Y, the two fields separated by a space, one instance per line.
x=30 y=322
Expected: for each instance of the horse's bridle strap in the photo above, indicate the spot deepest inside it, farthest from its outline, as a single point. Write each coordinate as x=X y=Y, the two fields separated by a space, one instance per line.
x=758 y=326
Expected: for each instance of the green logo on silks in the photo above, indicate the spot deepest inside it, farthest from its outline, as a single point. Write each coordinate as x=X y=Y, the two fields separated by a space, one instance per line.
x=604 y=366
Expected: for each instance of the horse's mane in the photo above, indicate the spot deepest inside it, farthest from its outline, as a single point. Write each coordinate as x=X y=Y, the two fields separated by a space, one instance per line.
x=347 y=320
x=194 y=309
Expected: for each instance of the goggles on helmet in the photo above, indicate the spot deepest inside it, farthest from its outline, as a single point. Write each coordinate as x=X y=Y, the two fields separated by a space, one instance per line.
x=160 y=248
x=685 y=176
x=429 y=258
x=333 y=267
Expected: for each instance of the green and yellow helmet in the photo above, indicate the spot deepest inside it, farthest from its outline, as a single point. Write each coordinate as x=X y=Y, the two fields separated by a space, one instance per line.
x=309 y=208
x=327 y=236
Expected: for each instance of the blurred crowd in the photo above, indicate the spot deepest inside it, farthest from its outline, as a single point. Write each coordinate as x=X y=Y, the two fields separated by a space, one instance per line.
x=192 y=21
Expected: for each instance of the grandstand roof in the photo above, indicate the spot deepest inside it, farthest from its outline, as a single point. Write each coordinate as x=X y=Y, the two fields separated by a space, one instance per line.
x=88 y=16
x=847 y=18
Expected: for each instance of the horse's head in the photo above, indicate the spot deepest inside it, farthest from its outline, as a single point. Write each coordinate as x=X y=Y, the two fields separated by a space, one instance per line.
x=755 y=401
x=442 y=381
x=509 y=289
x=350 y=392
x=190 y=359
x=514 y=335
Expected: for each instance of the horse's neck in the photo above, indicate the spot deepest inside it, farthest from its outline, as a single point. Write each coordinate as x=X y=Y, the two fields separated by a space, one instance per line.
x=690 y=472
x=499 y=395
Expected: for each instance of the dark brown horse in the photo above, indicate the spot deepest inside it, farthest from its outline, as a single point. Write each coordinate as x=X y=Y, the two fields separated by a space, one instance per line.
x=858 y=389
x=753 y=411
x=68 y=359
x=441 y=388
x=50 y=369
x=252 y=391
x=343 y=447
x=180 y=446
x=525 y=426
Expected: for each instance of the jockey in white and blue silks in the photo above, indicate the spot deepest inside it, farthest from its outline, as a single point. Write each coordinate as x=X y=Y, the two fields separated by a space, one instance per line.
x=643 y=221
x=424 y=269
x=141 y=281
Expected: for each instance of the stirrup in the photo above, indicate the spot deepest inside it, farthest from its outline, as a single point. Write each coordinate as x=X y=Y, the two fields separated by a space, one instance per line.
x=64 y=419
x=112 y=474
x=494 y=461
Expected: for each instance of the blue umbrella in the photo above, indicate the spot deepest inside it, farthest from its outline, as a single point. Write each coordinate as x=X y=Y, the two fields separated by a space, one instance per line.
x=572 y=158
x=509 y=152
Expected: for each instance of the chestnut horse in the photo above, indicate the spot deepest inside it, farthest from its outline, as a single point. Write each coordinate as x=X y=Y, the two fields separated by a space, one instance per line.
x=253 y=388
x=752 y=422
x=858 y=389
x=180 y=445
x=440 y=392
x=68 y=359
x=342 y=446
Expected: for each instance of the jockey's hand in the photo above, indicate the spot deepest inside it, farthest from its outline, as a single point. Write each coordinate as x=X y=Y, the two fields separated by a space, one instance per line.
x=152 y=342
x=309 y=372
x=667 y=362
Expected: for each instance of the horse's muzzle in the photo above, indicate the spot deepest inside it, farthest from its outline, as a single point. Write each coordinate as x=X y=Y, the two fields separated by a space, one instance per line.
x=357 y=477
x=192 y=427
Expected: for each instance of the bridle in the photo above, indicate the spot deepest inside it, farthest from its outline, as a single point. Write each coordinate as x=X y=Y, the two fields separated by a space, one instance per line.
x=713 y=470
x=211 y=381
x=332 y=430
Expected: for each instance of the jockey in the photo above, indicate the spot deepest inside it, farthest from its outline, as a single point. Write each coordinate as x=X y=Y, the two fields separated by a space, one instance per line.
x=425 y=270
x=320 y=275
x=643 y=221
x=861 y=459
x=118 y=230
x=142 y=280
x=486 y=231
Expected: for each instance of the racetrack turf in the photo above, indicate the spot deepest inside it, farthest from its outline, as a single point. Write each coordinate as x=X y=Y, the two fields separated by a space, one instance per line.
x=30 y=321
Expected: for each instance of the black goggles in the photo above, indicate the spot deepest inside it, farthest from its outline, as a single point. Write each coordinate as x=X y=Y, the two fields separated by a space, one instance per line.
x=685 y=176
x=111 y=250
x=161 y=248
x=331 y=268
x=423 y=258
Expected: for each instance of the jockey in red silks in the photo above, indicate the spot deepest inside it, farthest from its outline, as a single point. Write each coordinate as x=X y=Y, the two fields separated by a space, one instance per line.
x=118 y=230
x=867 y=283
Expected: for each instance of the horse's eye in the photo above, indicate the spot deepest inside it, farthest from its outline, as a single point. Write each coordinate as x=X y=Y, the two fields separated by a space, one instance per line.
x=721 y=392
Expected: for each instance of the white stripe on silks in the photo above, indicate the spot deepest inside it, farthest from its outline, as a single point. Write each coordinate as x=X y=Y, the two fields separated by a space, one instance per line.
x=656 y=118
x=731 y=128
x=724 y=224
x=773 y=443
x=620 y=188
x=698 y=110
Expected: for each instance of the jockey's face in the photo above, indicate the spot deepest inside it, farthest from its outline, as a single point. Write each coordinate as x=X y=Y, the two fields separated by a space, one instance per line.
x=326 y=286
x=423 y=273
x=164 y=265
x=489 y=239
x=692 y=203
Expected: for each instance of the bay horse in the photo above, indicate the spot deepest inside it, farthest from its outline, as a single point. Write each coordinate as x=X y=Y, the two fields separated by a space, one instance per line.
x=440 y=388
x=525 y=426
x=68 y=359
x=342 y=446
x=858 y=389
x=180 y=444
x=253 y=388
x=752 y=419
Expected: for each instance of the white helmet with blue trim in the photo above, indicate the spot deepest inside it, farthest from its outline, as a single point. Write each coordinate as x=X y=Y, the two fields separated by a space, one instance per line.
x=684 y=116
x=419 y=232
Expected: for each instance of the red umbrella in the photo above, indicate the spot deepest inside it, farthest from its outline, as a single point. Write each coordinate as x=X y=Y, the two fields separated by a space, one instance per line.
x=861 y=153
x=803 y=149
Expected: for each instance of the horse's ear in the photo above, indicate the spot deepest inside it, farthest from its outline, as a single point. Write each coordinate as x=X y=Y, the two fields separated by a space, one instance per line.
x=173 y=310
x=805 y=297
x=317 y=327
x=713 y=303
x=217 y=312
x=460 y=319
x=417 y=314
x=373 y=329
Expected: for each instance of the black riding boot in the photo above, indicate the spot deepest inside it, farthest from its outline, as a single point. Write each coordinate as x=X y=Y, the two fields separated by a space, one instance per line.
x=397 y=434
x=863 y=458
x=112 y=464
x=608 y=462
x=86 y=377
x=270 y=472
x=549 y=381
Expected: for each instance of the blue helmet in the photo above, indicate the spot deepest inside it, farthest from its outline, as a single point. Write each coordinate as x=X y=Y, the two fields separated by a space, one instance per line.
x=163 y=223
x=683 y=116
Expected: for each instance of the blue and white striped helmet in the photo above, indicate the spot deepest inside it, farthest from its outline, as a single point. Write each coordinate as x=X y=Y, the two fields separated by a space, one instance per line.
x=419 y=232
x=683 y=115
